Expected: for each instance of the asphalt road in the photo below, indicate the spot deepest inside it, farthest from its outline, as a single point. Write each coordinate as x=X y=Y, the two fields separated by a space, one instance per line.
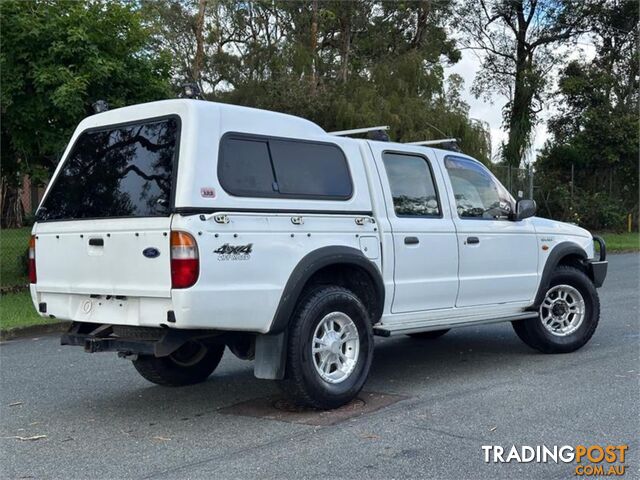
x=473 y=387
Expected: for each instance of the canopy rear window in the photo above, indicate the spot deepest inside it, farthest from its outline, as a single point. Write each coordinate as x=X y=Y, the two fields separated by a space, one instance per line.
x=116 y=171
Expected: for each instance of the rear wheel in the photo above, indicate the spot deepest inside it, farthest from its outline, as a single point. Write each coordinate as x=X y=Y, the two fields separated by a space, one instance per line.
x=567 y=317
x=191 y=363
x=330 y=349
x=429 y=335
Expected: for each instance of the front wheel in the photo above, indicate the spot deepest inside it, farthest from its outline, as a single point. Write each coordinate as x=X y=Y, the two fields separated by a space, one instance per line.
x=192 y=363
x=330 y=349
x=567 y=317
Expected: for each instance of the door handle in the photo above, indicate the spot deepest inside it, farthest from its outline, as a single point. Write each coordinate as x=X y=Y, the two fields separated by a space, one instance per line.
x=411 y=240
x=96 y=242
x=472 y=240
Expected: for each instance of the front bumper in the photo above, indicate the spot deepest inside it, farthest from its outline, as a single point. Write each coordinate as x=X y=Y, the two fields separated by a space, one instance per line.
x=598 y=268
x=598 y=272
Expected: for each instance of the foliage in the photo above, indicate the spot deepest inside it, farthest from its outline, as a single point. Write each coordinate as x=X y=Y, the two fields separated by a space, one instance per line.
x=340 y=64
x=57 y=59
x=343 y=65
x=13 y=247
x=518 y=44
x=596 y=128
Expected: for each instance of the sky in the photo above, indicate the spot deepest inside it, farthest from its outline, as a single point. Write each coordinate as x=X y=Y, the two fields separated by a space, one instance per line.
x=491 y=112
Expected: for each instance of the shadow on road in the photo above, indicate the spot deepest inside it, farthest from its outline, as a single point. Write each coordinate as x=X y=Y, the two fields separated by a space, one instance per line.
x=401 y=365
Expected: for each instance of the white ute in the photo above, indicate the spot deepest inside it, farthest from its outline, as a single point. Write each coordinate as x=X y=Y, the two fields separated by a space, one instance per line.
x=171 y=230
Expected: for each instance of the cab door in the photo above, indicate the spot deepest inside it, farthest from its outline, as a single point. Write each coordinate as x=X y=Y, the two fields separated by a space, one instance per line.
x=498 y=256
x=424 y=238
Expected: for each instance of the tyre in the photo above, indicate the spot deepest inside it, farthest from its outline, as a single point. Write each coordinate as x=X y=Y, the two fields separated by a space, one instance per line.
x=429 y=335
x=329 y=350
x=191 y=363
x=568 y=315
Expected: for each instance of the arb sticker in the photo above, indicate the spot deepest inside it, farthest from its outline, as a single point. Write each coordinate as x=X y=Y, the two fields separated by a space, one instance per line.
x=207 y=192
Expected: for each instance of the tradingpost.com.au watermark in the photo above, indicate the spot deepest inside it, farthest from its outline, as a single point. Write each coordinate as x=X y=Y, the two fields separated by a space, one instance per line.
x=589 y=460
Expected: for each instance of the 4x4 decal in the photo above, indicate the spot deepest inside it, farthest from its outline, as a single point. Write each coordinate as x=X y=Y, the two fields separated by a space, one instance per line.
x=234 y=252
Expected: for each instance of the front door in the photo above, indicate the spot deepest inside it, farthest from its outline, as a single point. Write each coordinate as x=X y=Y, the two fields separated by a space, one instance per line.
x=498 y=256
x=424 y=239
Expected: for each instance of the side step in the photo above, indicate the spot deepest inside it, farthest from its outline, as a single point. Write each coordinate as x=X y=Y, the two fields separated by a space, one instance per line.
x=427 y=326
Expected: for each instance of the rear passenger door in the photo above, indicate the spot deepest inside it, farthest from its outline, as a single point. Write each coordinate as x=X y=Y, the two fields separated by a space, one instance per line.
x=424 y=238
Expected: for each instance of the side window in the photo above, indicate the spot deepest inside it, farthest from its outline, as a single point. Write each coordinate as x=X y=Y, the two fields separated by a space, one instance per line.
x=478 y=194
x=245 y=167
x=268 y=167
x=412 y=185
x=310 y=169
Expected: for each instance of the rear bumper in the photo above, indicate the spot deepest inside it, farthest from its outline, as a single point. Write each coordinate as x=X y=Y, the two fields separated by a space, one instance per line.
x=186 y=309
x=104 y=309
x=158 y=342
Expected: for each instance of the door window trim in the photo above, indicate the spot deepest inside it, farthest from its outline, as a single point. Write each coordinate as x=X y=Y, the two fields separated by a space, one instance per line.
x=433 y=180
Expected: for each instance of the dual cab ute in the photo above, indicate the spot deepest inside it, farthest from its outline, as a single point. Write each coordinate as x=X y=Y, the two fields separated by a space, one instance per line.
x=172 y=230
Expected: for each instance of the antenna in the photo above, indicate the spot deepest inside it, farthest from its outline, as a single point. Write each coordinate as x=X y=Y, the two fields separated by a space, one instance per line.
x=355 y=131
x=435 y=142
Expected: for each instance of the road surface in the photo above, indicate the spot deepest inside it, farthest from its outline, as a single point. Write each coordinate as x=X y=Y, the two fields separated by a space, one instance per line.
x=474 y=386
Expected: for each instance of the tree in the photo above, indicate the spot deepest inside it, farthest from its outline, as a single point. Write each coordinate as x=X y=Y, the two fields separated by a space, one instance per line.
x=595 y=133
x=340 y=64
x=517 y=42
x=57 y=59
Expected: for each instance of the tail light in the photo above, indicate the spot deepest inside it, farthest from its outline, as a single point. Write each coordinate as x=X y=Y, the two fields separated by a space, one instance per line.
x=32 y=260
x=185 y=264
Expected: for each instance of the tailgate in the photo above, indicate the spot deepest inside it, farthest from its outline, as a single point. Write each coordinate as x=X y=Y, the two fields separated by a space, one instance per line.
x=104 y=257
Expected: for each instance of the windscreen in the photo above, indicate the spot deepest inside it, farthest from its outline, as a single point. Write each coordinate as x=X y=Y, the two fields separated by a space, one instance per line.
x=118 y=171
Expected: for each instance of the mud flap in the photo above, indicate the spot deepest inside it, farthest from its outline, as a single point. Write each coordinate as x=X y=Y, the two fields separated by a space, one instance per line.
x=270 y=360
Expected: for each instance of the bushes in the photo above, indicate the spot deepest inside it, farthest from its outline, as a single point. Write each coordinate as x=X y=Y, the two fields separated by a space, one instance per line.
x=598 y=211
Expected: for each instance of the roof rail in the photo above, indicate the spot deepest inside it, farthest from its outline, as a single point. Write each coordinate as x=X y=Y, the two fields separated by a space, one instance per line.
x=435 y=142
x=355 y=131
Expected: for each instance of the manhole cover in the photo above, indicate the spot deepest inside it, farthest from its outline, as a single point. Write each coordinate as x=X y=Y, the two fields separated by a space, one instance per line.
x=283 y=410
x=286 y=405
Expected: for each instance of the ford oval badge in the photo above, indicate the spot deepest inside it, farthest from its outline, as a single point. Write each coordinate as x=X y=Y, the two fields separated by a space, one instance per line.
x=151 y=252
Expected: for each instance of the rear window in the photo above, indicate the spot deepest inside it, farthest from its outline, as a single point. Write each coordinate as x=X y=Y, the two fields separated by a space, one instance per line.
x=118 y=171
x=412 y=185
x=269 y=167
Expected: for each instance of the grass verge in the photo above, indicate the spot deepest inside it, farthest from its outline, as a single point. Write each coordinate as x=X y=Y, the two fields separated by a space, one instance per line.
x=16 y=310
x=621 y=242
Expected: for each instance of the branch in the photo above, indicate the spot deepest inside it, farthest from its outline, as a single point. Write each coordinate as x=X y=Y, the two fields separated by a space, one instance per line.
x=534 y=4
x=546 y=39
x=492 y=50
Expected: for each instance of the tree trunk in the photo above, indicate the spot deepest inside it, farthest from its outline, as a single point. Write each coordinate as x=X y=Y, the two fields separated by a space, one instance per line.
x=519 y=119
x=313 y=44
x=421 y=24
x=197 y=62
x=11 y=205
x=345 y=44
x=520 y=109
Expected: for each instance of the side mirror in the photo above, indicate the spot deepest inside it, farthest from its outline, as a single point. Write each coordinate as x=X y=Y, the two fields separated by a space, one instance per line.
x=525 y=209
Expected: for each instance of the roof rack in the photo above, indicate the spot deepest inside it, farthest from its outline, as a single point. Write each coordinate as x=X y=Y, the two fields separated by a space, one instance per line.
x=435 y=142
x=355 y=131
